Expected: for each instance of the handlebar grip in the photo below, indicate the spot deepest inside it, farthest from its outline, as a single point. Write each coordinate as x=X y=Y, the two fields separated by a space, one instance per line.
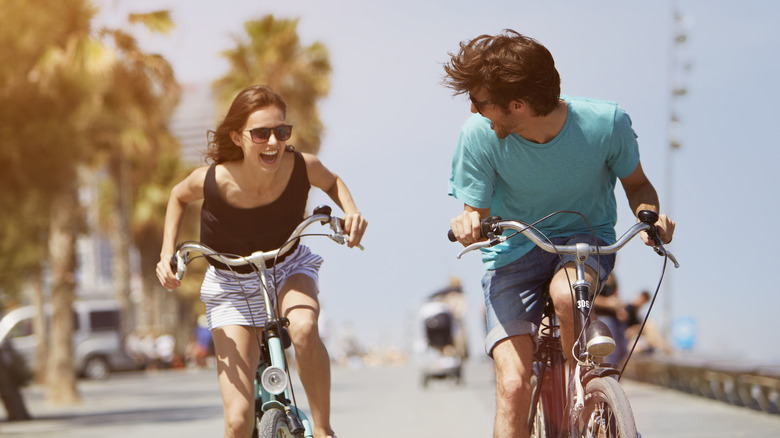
x=451 y=236
x=485 y=228
x=174 y=266
x=650 y=217
x=322 y=209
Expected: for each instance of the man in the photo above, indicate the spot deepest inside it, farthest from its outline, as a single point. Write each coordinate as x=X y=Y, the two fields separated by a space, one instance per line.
x=528 y=152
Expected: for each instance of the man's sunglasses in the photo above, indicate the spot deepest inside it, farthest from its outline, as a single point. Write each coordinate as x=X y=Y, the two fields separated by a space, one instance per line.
x=261 y=135
x=478 y=104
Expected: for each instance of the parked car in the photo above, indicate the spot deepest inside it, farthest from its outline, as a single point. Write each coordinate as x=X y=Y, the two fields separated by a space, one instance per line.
x=97 y=342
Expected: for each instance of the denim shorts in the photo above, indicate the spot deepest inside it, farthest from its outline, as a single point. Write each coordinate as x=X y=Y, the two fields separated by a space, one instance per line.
x=515 y=294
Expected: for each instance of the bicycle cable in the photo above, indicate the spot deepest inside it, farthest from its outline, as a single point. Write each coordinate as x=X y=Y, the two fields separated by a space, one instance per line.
x=275 y=298
x=277 y=306
x=647 y=316
x=563 y=265
x=238 y=281
x=598 y=288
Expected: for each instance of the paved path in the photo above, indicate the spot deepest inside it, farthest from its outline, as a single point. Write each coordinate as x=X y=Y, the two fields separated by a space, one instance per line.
x=367 y=402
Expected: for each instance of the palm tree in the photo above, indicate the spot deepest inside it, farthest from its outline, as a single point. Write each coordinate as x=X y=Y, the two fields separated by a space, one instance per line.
x=73 y=98
x=174 y=313
x=48 y=96
x=272 y=55
x=142 y=95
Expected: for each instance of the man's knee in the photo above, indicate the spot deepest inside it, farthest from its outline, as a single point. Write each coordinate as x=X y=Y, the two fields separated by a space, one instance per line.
x=512 y=386
x=513 y=360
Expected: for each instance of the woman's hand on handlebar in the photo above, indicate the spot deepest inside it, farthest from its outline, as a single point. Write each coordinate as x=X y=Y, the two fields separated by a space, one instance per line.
x=665 y=228
x=466 y=226
x=165 y=274
x=354 y=225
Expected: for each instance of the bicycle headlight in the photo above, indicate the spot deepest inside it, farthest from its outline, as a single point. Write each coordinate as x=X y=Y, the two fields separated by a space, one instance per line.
x=274 y=380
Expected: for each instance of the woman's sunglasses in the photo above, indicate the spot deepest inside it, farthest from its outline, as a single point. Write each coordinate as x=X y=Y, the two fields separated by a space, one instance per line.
x=261 y=135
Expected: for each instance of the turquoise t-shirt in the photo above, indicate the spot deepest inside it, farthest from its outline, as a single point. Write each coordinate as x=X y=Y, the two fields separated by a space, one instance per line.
x=521 y=180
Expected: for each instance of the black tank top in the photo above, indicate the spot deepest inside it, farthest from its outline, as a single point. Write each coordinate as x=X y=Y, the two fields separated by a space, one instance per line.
x=242 y=231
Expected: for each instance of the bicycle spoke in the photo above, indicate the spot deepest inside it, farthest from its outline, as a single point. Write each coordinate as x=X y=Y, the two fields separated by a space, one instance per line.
x=607 y=412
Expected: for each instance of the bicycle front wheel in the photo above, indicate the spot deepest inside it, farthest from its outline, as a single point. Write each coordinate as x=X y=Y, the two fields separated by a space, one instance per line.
x=546 y=416
x=537 y=424
x=607 y=412
x=273 y=424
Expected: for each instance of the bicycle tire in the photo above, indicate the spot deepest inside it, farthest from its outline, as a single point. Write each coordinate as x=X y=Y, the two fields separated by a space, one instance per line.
x=547 y=418
x=273 y=424
x=538 y=423
x=607 y=412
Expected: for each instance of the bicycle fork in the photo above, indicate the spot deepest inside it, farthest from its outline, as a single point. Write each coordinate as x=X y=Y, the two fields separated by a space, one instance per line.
x=272 y=381
x=582 y=311
x=271 y=384
x=581 y=299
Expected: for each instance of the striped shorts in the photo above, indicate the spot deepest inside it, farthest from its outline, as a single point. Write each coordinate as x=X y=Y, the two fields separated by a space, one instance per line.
x=237 y=299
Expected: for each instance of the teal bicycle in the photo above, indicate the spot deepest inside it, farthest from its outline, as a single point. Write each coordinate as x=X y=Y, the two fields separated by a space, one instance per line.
x=276 y=412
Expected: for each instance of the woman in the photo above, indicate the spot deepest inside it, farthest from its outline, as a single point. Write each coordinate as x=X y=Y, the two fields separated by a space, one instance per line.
x=254 y=195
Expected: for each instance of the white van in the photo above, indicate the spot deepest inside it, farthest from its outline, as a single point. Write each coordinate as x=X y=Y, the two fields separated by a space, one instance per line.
x=97 y=342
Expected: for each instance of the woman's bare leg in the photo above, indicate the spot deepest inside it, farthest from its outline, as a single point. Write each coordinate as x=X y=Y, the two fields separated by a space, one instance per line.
x=301 y=307
x=237 y=355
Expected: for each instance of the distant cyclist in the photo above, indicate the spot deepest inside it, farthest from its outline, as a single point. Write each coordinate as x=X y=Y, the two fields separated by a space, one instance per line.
x=254 y=195
x=527 y=152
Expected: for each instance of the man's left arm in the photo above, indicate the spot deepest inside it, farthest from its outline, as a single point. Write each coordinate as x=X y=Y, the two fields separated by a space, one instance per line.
x=642 y=196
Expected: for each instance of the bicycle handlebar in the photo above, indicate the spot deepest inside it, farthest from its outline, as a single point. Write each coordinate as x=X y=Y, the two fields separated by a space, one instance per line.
x=321 y=214
x=492 y=227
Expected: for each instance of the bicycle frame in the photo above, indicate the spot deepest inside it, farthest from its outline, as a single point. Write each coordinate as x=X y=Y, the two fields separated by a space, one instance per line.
x=549 y=370
x=549 y=362
x=272 y=367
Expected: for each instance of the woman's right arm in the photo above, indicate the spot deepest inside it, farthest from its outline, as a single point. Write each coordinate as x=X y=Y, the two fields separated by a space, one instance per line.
x=187 y=191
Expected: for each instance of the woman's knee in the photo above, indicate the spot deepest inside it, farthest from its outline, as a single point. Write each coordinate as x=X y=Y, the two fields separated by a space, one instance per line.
x=303 y=329
x=238 y=421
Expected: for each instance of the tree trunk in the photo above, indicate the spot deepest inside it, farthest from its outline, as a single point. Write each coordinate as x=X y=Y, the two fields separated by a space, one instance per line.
x=170 y=312
x=121 y=241
x=39 y=328
x=155 y=311
x=61 y=376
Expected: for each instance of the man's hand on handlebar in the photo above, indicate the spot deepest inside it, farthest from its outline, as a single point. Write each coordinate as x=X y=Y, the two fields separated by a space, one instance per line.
x=665 y=228
x=466 y=227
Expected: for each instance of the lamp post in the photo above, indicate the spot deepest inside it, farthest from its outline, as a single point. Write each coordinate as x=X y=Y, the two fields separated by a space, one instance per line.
x=677 y=90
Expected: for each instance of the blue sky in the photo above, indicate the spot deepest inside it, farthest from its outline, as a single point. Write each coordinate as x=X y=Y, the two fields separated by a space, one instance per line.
x=391 y=128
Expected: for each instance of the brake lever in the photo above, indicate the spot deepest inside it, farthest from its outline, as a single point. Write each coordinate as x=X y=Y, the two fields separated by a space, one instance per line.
x=179 y=265
x=338 y=234
x=483 y=244
x=663 y=252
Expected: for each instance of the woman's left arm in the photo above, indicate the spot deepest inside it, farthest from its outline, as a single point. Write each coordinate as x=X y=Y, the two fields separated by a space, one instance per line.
x=330 y=183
